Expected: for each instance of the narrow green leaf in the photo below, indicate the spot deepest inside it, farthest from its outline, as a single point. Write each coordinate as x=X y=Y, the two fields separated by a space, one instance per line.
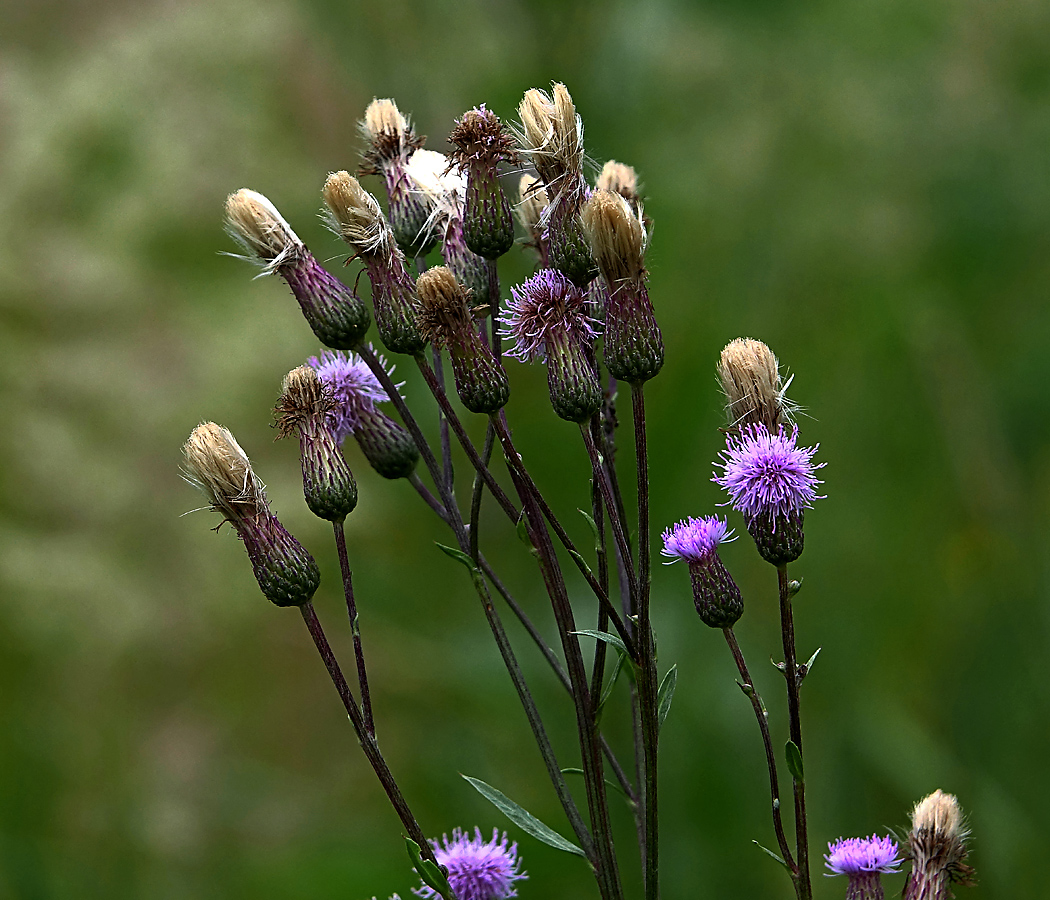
x=666 y=694
x=457 y=555
x=613 y=639
x=794 y=761
x=594 y=529
x=775 y=856
x=522 y=529
x=522 y=818
x=573 y=770
x=607 y=692
x=581 y=561
x=812 y=659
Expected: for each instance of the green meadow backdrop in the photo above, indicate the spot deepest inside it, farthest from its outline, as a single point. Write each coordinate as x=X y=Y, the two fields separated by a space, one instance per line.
x=863 y=184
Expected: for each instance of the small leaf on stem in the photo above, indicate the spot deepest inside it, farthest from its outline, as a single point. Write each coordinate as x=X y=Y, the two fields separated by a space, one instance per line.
x=594 y=530
x=772 y=854
x=613 y=639
x=457 y=555
x=665 y=694
x=794 y=761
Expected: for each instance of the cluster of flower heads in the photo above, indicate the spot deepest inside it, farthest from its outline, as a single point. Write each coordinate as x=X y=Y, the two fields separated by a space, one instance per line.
x=936 y=849
x=769 y=479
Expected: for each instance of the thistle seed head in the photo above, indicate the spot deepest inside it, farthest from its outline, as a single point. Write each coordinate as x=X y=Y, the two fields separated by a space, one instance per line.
x=254 y=223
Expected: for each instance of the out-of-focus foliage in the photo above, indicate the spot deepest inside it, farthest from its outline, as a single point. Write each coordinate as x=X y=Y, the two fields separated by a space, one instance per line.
x=864 y=185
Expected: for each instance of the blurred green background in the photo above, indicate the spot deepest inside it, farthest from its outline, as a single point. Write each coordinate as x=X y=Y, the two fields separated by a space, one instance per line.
x=864 y=185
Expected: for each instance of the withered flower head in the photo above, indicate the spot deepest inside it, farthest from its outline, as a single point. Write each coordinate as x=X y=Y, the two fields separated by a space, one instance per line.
x=304 y=409
x=480 y=138
x=620 y=179
x=445 y=318
x=217 y=465
x=334 y=312
x=937 y=848
x=355 y=215
x=444 y=306
x=388 y=134
x=254 y=223
x=750 y=377
x=551 y=132
x=214 y=462
x=617 y=237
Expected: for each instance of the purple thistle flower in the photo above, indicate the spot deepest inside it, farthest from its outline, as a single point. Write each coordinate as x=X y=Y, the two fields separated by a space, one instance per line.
x=772 y=482
x=547 y=306
x=477 y=869
x=715 y=594
x=355 y=389
x=548 y=318
x=766 y=474
x=695 y=540
x=863 y=860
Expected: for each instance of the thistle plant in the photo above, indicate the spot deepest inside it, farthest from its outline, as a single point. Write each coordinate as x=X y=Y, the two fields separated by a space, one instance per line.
x=587 y=315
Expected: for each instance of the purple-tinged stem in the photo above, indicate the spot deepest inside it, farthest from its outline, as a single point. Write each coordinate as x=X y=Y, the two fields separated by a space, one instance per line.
x=647 y=677
x=493 y=271
x=791 y=675
x=355 y=628
x=606 y=870
x=749 y=689
x=368 y=744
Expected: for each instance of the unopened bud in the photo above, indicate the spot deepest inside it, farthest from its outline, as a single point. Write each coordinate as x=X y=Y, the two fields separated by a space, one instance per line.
x=215 y=463
x=446 y=320
x=304 y=409
x=335 y=313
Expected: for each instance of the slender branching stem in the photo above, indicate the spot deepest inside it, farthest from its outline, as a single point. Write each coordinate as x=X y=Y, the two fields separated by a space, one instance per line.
x=436 y=474
x=793 y=678
x=477 y=493
x=428 y=497
x=355 y=627
x=749 y=689
x=597 y=801
x=368 y=744
x=446 y=440
x=555 y=664
x=647 y=676
x=532 y=714
x=598 y=517
x=618 y=526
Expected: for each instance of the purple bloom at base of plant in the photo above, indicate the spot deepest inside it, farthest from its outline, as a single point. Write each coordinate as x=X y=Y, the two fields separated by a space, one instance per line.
x=863 y=860
x=355 y=389
x=477 y=869
x=766 y=474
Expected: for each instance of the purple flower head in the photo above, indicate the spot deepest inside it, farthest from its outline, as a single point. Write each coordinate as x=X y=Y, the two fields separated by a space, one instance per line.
x=477 y=869
x=547 y=308
x=858 y=856
x=695 y=540
x=766 y=474
x=355 y=389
